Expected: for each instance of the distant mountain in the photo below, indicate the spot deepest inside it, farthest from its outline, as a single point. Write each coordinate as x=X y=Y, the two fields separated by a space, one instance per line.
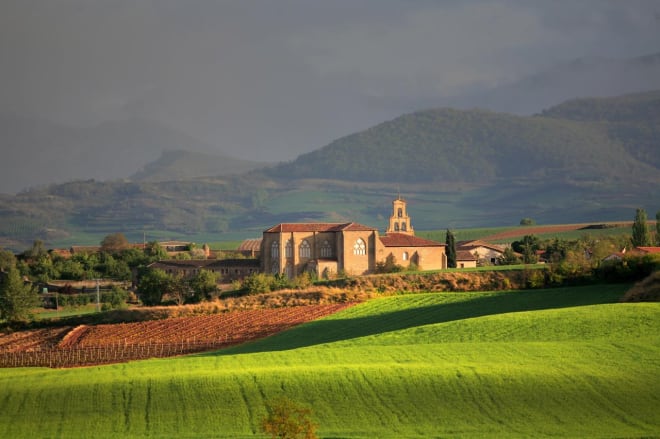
x=479 y=146
x=37 y=152
x=583 y=160
x=184 y=165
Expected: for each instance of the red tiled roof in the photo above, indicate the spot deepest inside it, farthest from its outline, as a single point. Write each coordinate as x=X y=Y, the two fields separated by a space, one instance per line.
x=403 y=240
x=648 y=249
x=318 y=227
x=464 y=255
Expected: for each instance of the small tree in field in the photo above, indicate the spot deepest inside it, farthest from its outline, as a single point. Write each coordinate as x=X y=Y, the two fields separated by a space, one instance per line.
x=286 y=419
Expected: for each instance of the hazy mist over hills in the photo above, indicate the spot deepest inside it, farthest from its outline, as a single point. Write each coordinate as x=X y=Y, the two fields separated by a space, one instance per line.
x=100 y=89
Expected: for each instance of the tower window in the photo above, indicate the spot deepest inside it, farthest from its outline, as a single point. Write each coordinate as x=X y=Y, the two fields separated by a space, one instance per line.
x=399 y=212
x=396 y=227
x=275 y=249
x=404 y=227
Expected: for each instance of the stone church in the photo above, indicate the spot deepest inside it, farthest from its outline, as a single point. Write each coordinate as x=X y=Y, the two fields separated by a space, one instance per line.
x=351 y=248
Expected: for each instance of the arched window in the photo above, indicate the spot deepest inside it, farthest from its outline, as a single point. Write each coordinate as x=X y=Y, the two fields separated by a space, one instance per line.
x=404 y=227
x=305 y=250
x=326 y=249
x=275 y=267
x=396 y=227
x=275 y=249
x=288 y=249
x=405 y=256
x=399 y=212
x=359 y=248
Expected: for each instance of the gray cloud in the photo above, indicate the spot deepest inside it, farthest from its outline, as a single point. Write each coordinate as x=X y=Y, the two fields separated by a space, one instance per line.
x=273 y=79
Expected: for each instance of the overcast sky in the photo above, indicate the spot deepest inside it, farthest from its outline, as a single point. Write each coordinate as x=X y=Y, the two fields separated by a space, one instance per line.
x=271 y=79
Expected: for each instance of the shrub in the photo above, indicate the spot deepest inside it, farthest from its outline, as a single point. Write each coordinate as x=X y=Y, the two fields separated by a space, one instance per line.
x=286 y=419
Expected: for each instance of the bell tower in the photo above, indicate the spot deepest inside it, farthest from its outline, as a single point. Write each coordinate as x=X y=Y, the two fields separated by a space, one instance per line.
x=400 y=221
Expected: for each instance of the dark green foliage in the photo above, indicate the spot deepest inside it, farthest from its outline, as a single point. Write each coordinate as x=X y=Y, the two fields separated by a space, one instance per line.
x=450 y=241
x=527 y=222
x=17 y=298
x=640 y=230
x=114 y=299
x=7 y=260
x=202 y=286
x=509 y=257
x=389 y=265
x=630 y=268
x=153 y=285
x=527 y=246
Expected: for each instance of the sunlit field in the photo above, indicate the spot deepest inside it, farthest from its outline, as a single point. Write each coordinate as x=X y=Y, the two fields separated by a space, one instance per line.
x=569 y=362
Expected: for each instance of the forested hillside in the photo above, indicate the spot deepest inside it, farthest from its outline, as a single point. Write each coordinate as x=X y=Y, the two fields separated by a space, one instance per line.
x=585 y=160
x=587 y=140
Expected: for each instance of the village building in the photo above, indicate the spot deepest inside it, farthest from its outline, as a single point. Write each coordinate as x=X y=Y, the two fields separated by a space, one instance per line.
x=227 y=270
x=485 y=252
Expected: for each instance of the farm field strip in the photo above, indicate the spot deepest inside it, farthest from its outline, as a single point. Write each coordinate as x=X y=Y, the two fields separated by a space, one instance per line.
x=99 y=344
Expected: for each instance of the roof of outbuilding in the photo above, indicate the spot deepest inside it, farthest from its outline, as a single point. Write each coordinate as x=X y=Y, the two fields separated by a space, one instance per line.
x=464 y=255
x=404 y=240
x=319 y=227
x=250 y=245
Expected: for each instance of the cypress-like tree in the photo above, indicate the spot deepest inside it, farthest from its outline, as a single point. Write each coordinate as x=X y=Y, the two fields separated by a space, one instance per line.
x=640 y=230
x=451 y=249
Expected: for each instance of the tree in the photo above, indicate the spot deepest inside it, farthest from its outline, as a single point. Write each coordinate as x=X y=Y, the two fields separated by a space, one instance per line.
x=154 y=251
x=203 y=284
x=450 y=241
x=509 y=257
x=154 y=283
x=17 y=298
x=114 y=243
x=527 y=246
x=7 y=260
x=527 y=222
x=640 y=230
x=286 y=419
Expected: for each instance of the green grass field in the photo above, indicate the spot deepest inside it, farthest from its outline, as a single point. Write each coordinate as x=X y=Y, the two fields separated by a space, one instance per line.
x=569 y=362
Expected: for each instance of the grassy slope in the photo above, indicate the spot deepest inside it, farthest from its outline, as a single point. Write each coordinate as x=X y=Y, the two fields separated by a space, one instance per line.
x=564 y=362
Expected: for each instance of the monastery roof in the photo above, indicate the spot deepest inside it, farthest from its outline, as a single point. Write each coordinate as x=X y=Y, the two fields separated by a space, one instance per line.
x=404 y=240
x=319 y=227
x=648 y=249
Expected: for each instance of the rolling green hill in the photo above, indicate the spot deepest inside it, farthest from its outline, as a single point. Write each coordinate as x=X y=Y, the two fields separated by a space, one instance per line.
x=445 y=145
x=588 y=160
x=547 y=363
